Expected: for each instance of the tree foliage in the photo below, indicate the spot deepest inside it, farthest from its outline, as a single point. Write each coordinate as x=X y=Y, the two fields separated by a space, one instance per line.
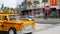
x=36 y=2
x=29 y=3
x=44 y=1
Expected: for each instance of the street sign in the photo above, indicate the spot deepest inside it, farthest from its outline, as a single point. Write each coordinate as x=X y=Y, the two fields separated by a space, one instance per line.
x=47 y=8
x=54 y=2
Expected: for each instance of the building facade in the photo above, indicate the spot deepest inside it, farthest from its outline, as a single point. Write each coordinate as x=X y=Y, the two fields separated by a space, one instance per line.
x=39 y=9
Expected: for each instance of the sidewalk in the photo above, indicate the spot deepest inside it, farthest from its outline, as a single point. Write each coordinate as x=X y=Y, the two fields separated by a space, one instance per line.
x=47 y=21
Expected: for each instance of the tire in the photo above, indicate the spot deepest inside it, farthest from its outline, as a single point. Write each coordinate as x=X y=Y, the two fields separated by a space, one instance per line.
x=29 y=33
x=3 y=32
x=11 y=31
x=0 y=32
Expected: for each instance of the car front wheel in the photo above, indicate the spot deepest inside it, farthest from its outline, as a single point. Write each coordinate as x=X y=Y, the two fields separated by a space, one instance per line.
x=12 y=31
x=29 y=33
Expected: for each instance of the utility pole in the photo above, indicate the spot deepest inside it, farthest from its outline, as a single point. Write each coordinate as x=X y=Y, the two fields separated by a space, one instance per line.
x=2 y=6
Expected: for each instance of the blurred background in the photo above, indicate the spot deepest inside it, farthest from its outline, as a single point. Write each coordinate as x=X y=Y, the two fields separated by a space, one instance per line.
x=34 y=8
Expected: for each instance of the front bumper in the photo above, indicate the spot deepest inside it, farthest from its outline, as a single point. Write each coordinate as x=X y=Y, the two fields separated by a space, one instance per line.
x=24 y=31
x=27 y=29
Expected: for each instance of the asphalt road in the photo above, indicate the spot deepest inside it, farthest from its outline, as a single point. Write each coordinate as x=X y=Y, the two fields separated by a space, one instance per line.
x=47 y=29
x=47 y=21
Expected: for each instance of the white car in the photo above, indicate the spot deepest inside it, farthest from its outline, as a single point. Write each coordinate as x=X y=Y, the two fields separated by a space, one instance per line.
x=27 y=18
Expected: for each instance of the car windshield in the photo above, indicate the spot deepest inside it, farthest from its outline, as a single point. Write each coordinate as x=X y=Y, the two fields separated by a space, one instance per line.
x=14 y=17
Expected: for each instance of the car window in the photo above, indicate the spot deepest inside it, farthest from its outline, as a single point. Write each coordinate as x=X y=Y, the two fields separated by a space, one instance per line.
x=14 y=17
x=4 y=18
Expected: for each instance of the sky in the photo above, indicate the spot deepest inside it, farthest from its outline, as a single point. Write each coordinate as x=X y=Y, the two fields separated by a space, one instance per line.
x=10 y=3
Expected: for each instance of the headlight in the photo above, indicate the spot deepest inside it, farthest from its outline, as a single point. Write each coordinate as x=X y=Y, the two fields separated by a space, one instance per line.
x=28 y=27
x=31 y=19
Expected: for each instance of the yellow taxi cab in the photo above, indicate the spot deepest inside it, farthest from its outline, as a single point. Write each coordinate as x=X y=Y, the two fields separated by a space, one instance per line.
x=13 y=24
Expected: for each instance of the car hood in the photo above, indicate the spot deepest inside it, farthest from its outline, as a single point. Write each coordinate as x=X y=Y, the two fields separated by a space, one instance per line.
x=20 y=21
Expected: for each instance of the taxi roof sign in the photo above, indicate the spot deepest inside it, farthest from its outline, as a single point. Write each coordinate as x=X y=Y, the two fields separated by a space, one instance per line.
x=7 y=11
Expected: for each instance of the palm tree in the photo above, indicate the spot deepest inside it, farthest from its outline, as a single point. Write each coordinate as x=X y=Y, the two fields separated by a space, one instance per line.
x=29 y=3
x=36 y=2
x=44 y=1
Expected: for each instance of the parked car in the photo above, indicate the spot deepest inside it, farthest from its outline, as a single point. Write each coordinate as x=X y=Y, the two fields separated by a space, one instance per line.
x=27 y=18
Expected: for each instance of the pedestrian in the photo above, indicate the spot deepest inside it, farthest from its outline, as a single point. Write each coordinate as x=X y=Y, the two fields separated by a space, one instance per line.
x=46 y=13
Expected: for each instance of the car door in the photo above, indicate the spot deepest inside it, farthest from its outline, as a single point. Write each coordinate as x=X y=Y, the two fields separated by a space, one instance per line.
x=4 y=25
x=1 y=22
